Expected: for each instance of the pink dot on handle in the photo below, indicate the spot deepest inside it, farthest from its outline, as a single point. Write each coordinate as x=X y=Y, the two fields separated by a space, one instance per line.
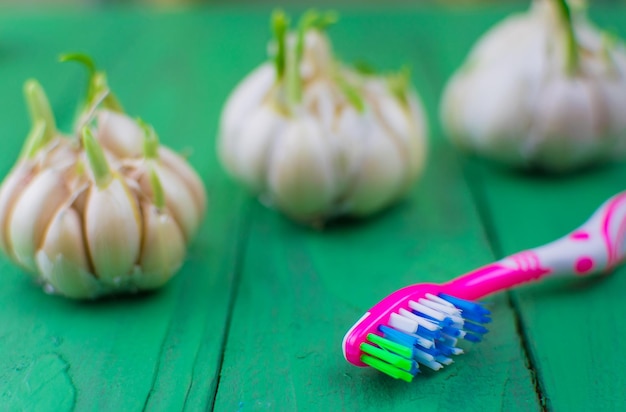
x=580 y=235
x=583 y=265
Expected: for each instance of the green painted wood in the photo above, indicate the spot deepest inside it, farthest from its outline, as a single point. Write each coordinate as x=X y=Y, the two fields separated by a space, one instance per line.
x=254 y=320
x=301 y=288
x=573 y=328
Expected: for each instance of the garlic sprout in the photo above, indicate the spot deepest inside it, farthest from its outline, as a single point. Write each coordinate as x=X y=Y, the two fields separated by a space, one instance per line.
x=543 y=89
x=317 y=139
x=102 y=211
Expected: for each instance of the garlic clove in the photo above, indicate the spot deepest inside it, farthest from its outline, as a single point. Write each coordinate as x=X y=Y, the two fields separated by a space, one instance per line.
x=11 y=188
x=186 y=206
x=112 y=230
x=179 y=200
x=489 y=112
x=566 y=119
x=66 y=278
x=380 y=178
x=246 y=97
x=255 y=145
x=300 y=174
x=62 y=259
x=163 y=249
x=119 y=134
x=32 y=212
x=404 y=123
x=179 y=166
x=112 y=221
x=64 y=236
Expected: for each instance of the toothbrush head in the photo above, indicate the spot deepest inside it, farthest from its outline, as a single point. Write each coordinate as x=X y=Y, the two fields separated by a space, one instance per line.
x=411 y=327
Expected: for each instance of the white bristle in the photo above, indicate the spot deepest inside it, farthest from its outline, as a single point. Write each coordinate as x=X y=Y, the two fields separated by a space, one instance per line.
x=437 y=299
x=426 y=310
x=421 y=321
x=402 y=323
x=432 y=365
x=450 y=341
x=425 y=343
x=422 y=356
x=444 y=360
x=453 y=313
x=439 y=307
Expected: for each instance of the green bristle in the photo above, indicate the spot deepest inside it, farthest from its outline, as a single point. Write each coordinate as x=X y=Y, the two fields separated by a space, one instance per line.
x=391 y=346
x=387 y=368
x=390 y=358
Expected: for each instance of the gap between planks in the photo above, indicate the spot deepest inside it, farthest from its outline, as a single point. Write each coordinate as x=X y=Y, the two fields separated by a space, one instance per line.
x=477 y=192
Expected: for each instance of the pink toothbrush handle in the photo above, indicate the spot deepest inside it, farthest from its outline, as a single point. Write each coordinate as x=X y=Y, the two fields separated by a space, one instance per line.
x=597 y=246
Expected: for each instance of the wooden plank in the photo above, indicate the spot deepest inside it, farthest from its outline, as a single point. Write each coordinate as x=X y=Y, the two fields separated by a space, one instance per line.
x=572 y=328
x=190 y=80
x=159 y=351
x=301 y=288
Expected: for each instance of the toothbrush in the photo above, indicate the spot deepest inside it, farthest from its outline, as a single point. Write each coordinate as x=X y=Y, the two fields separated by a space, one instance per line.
x=422 y=323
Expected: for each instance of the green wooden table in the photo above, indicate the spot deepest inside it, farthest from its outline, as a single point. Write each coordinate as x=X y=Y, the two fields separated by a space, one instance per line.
x=255 y=319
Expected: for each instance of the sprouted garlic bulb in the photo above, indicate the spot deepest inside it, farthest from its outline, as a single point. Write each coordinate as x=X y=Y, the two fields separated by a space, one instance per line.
x=103 y=211
x=317 y=139
x=543 y=89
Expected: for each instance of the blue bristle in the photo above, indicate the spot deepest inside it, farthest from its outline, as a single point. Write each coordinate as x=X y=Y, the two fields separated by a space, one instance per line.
x=474 y=328
x=428 y=334
x=473 y=338
x=475 y=317
x=442 y=359
x=466 y=305
x=431 y=351
x=473 y=312
x=451 y=331
x=444 y=349
x=399 y=337
x=425 y=316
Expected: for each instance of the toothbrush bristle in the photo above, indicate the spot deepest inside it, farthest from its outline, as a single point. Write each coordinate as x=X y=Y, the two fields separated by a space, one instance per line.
x=427 y=333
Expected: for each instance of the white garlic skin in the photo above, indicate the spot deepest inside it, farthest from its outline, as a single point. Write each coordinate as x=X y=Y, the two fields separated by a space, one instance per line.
x=321 y=157
x=514 y=101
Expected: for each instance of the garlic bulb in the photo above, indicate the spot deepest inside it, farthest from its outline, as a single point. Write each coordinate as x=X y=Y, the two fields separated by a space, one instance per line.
x=542 y=89
x=317 y=139
x=106 y=210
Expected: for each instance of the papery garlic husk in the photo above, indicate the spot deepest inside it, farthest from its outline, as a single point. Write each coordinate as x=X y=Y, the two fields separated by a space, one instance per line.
x=77 y=212
x=541 y=90
x=317 y=139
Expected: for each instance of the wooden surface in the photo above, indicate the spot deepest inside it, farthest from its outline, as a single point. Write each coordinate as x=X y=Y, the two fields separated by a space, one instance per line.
x=255 y=319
